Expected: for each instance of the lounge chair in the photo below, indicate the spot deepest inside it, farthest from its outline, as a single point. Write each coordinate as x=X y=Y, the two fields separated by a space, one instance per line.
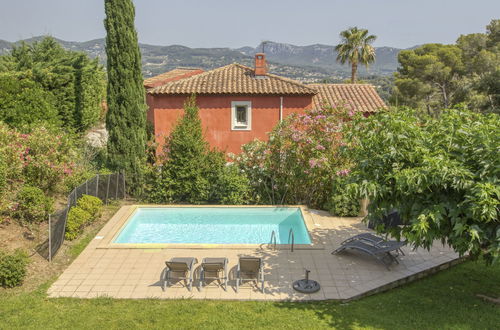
x=250 y=268
x=180 y=268
x=380 y=252
x=376 y=240
x=213 y=269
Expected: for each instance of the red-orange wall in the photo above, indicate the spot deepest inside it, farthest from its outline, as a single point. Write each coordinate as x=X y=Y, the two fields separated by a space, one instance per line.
x=215 y=114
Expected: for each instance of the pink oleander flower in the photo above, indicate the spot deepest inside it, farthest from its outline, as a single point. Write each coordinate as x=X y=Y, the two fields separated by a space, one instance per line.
x=344 y=172
x=313 y=163
x=320 y=147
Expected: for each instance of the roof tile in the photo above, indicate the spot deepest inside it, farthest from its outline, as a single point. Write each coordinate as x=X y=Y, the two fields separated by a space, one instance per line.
x=363 y=97
x=234 y=79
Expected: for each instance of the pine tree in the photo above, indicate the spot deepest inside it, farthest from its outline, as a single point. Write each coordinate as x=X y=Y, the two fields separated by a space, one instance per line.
x=126 y=117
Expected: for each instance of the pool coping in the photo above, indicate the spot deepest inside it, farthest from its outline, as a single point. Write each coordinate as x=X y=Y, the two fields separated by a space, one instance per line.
x=119 y=220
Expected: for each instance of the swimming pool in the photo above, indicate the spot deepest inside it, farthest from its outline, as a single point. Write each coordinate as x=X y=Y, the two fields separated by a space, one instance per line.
x=213 y=225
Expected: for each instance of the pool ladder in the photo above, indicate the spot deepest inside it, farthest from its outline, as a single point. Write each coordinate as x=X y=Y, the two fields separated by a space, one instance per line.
x=290 y=235
x=273 y=239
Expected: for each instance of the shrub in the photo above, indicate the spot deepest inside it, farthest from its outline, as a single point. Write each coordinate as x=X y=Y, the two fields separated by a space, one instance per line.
x=13 y=268
x=440 y=173
x=300 y=160
x=77 y=219
x=342 y=202
x=90 y=204
x=32 y=205
x=188 y=171
x=231 y=187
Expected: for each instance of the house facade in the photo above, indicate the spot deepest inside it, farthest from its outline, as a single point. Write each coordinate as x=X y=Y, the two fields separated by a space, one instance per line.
x=238 y=104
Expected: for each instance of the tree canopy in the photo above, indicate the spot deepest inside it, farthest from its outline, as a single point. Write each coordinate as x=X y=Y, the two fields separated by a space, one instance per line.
x=48 y=82
x=355 y=47
x=126 y=116
x=441 y=173
x=436 y=76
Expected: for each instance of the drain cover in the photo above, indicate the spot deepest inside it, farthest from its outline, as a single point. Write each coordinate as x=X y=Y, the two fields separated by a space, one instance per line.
x=306 y=285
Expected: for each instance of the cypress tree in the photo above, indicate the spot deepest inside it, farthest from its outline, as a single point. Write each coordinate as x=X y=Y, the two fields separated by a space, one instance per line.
x=126 y=117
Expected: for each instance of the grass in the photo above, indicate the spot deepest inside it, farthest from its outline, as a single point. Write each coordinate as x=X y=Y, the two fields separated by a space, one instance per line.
x=446 y=300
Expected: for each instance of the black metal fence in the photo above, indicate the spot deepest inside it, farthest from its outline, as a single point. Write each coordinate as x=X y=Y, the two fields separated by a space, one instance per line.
x=104 y=186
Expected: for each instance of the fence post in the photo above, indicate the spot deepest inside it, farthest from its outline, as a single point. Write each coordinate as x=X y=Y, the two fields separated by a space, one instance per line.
x=50 y=239
x=97 y=186
x=124 y=191
x=107 y=189
x=117 y=175
x=86 y=187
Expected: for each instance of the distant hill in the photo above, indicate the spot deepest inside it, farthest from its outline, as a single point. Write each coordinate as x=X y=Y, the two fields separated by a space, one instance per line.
x=305 y=63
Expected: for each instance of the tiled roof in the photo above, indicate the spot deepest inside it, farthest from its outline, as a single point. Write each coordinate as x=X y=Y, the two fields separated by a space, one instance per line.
x=175 y=74
x=234 y=79
x=363 y=97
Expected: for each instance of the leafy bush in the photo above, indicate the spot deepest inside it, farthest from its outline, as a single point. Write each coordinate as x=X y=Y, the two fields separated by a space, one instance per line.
x=187 y=171
x=77 y=219
x=32 y=205
x=231 y=187
x=440 y=173
x=90 y=204
x=12 y=268
x=342 y=202
x=300 y=160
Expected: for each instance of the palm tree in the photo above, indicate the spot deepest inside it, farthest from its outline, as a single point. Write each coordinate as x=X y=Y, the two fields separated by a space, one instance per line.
x=355 y=47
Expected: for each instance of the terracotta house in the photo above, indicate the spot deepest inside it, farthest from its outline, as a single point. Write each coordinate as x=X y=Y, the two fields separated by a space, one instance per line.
x=238 y=104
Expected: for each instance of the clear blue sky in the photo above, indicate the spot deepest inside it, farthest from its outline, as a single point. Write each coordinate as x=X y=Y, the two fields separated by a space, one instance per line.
x=236 y=23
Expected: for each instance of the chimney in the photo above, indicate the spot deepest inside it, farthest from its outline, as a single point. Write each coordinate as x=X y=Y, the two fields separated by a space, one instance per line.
x=260 y=64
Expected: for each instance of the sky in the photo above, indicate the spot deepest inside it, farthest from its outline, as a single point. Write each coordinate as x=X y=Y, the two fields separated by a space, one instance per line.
x=237 y=23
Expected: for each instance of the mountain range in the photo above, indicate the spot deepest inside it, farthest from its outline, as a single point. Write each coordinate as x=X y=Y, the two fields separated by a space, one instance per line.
x=306 y=63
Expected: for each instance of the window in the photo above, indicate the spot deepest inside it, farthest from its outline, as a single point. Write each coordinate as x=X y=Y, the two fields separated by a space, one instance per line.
x=241 y=115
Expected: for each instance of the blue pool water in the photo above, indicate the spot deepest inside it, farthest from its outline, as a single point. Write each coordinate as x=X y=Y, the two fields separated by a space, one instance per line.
x=214 y=225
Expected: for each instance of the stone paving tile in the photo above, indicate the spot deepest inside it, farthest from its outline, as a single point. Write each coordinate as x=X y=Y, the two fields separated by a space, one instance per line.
x=136 y=273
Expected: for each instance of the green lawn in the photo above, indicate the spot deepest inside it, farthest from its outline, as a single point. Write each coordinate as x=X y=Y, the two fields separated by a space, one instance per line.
x=444 y=301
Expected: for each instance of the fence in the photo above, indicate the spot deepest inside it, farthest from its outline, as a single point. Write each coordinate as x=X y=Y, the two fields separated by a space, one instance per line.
x=104 y=186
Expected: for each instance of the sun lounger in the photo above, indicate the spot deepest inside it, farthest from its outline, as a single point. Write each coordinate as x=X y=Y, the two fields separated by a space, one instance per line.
x=213 y=269
x=381 y=253
x=376 y=240
x=180 y=268
x=250 y=268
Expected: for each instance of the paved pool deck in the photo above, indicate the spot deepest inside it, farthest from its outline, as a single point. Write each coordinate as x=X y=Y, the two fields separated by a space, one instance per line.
x=101 y=270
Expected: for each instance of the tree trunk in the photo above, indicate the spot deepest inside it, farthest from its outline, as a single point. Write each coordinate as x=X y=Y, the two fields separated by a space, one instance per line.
x=354 y=70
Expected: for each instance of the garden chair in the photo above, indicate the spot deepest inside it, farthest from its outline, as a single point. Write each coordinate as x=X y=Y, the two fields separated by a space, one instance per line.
x=180 y=268
x=250 y=268
x=213 y=269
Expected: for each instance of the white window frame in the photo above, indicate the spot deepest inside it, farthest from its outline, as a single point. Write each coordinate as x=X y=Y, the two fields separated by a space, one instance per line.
x=235 y=126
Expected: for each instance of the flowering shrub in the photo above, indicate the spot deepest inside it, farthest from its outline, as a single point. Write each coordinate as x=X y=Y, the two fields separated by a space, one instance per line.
x=301 y=159
x=42 y=158
x=48 y=158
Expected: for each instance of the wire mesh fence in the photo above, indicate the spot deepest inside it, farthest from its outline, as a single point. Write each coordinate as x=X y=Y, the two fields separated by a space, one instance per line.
x=104 y=186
